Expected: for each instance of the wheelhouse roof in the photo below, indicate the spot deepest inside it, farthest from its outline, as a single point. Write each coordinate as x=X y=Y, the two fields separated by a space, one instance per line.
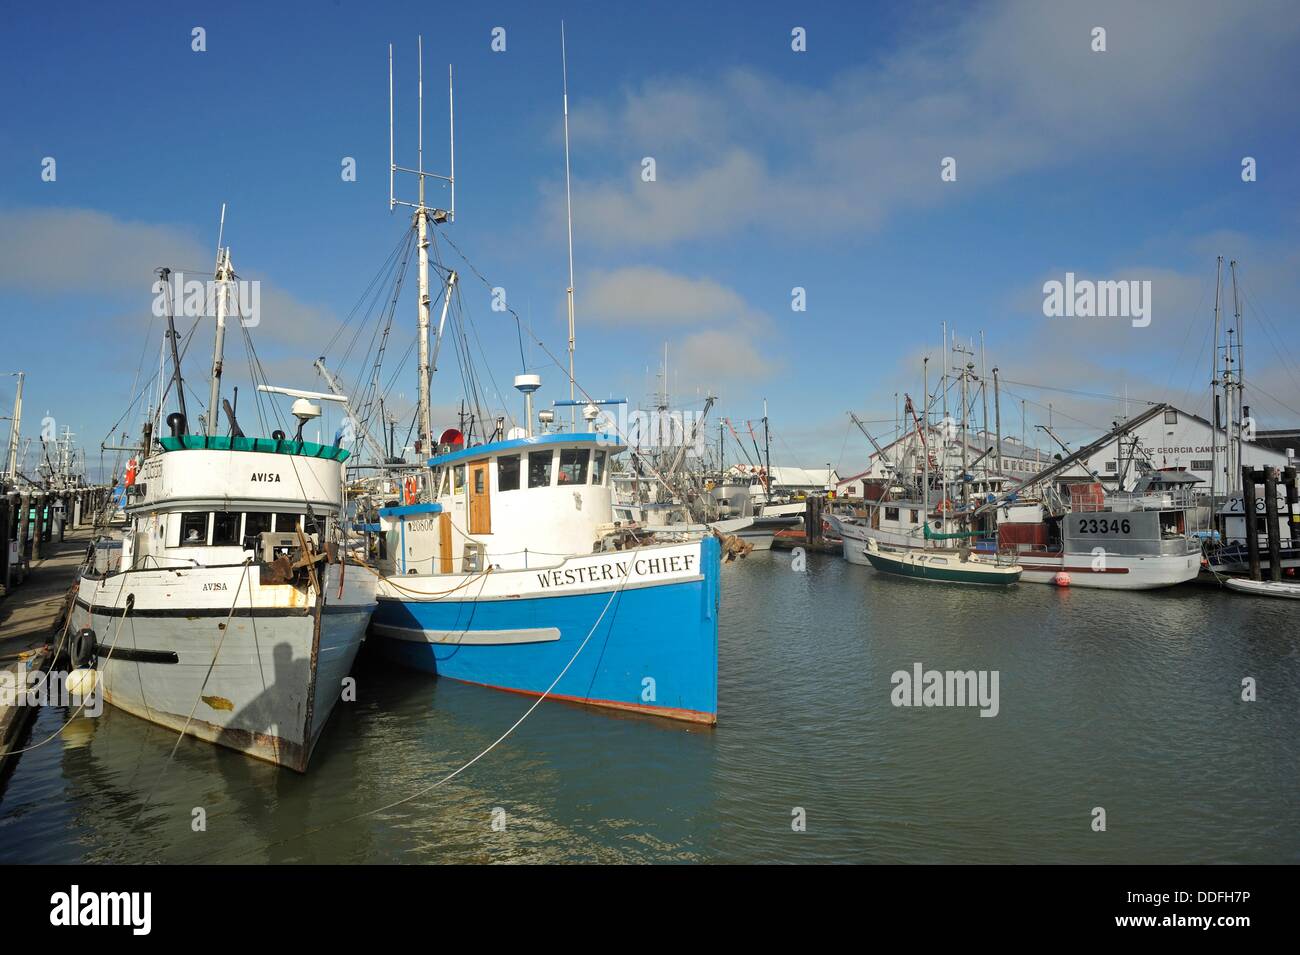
x=577 y=439
x=304 y=449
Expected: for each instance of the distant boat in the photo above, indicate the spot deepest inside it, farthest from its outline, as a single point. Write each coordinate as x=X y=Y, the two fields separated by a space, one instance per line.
x=947 y=565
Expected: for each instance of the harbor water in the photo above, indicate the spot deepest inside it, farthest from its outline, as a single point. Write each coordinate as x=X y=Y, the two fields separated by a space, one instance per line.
x=1127 y=702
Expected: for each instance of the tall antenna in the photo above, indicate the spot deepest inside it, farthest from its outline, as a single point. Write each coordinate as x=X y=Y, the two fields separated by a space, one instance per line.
x=568 y=202
x=438 y=215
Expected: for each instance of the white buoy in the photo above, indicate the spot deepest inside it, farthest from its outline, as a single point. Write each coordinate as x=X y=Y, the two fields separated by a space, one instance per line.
x=82 y=681
x=1062 y=579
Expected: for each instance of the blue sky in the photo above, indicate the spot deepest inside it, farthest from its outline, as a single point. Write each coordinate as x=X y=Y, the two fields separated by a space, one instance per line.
x=774 y=169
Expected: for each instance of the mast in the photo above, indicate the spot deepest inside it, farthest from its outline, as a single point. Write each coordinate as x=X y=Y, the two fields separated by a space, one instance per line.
x=984 y=393
x=222 y=274
x=925 y=446
x=422 y=230
x=423 y=214
x=15 y=430
x=166 y=274
x=568 y=202
x=997 y=418
x=1214 y=389
x=1238 y=381
x=767 y=453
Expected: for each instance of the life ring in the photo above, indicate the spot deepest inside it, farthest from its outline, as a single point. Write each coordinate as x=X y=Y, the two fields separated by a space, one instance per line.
x=411 y=490
x=946 y=507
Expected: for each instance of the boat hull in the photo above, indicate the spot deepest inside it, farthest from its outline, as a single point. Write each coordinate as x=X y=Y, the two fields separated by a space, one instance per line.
x=622 y=642
x=1120 y=572
x=941 y=566
x=1264 y=588
x=278 y=674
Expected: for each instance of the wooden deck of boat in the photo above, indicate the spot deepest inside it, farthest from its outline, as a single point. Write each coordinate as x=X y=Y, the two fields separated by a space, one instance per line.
x=28 y=617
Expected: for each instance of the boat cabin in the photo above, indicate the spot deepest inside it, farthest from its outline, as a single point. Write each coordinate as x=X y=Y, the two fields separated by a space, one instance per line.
x=518 y=503
x=212 y=501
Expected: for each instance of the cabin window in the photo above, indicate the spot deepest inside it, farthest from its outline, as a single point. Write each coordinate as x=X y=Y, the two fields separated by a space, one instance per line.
x=573 y=465
x=255 y=524
x=225 y=528
x=287 y=523
x=458 y=479
x=891 y=513
x=194 y=529
x=539 y=468
x=508 y=472
x=598 y=468
x=916 y=516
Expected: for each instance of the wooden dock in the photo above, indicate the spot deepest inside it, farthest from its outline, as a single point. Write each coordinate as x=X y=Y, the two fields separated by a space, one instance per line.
x=30 y=616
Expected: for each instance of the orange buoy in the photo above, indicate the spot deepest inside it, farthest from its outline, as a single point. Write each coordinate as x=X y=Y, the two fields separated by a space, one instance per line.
x=1062 y=579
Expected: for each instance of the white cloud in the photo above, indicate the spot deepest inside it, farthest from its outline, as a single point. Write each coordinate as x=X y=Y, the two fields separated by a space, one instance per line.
x=1005 y=90
x=651 y=296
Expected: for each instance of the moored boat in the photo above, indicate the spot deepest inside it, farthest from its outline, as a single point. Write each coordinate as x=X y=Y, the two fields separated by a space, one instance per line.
x=946 y=565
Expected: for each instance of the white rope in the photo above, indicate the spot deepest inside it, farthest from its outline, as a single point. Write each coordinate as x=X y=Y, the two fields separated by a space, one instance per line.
x=493 y=745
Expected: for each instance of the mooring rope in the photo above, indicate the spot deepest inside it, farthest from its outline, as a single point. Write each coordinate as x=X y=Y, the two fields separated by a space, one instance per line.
x=452 y=775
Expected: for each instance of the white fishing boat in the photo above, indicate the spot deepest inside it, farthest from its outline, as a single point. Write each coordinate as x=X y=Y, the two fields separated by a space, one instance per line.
x=227 y=609
x=1138 y=540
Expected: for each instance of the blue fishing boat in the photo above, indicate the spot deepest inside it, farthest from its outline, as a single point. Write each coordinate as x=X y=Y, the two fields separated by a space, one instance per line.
x=516 y=577
x=501 y=563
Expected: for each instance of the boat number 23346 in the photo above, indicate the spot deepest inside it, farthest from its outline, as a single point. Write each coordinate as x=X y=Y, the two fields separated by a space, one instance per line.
x=1093 y=525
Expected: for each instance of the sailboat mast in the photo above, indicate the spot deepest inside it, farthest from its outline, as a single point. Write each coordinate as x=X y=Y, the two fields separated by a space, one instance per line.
x=568 y=203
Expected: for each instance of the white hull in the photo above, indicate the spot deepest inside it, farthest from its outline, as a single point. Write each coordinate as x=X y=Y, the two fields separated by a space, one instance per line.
x=855 y=536
x=277 y=674
x=1120 y=572
x=1264 y=588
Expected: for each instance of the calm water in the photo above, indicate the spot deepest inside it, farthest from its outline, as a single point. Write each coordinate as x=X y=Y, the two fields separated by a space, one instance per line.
x=1130 y=702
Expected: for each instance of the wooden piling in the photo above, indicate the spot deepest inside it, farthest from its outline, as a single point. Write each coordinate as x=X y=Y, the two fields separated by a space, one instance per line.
x=1289 y=478
x=1271 y=515
x=1248 y=511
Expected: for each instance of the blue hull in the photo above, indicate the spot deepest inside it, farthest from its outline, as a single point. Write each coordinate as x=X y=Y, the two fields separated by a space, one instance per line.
x=654 y=651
